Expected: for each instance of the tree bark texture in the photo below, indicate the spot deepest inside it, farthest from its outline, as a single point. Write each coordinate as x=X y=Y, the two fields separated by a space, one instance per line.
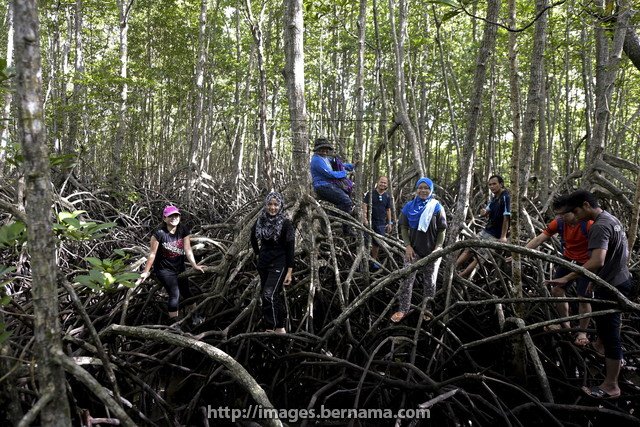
x=534 y=98
x=294 y=76
x=399 y=35
x=473 y=118
x=607 y=64
x=38 y=209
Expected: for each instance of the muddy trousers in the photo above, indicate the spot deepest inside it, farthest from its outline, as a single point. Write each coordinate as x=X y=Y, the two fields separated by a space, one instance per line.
x=426 y=276
x=274 y=309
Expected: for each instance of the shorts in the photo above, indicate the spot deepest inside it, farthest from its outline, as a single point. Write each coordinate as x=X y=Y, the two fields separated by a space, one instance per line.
x=582 y=282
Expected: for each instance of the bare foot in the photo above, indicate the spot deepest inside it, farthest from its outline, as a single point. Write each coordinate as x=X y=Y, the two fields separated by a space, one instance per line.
x=281 y=331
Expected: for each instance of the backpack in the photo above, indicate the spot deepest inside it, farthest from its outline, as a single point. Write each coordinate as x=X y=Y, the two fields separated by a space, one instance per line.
x=583 y=228
x=345 y=184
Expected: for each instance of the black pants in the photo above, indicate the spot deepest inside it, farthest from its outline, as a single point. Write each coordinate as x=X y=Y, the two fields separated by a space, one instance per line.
x=274 y=310
x=174 y=286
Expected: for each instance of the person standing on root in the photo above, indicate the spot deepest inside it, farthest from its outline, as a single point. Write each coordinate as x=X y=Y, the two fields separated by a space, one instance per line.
x=329 y=184
x=609 y=260
x=381 y=221
x=170 y=247
x=423 y=225
x=273 y=242
x=575 y=248
x=498 y=214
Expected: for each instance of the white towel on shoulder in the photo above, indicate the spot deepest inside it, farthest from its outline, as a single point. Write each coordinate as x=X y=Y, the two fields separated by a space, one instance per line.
x=427 y=213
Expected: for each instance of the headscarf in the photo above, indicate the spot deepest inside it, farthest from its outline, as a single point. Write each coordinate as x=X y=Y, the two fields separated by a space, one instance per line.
x=269 y=227
x=418 y=211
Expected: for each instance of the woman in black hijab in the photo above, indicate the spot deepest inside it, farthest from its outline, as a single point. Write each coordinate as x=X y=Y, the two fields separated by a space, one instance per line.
x=273 y=242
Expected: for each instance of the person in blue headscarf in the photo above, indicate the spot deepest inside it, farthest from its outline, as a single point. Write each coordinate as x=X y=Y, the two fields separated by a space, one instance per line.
x=423 y=225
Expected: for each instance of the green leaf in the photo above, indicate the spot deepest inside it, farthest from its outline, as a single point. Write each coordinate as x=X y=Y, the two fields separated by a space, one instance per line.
x=120 y=252
x=127 y=276
x=64 y=215
x=4 y=335
x=96 y=262
x=73 y=222
x=4 y=270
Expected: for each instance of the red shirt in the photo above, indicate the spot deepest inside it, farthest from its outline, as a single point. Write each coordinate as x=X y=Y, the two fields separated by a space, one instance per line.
x=576 y=243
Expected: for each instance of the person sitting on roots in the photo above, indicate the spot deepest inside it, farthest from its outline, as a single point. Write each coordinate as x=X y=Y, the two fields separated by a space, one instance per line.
x=423 y=225
x=326 y=179
x=498 y=214
x=574 y=240
x=170 y=248
x=273 y=242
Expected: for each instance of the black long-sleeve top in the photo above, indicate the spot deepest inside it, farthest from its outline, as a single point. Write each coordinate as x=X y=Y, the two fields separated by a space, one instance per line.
x=275 y=253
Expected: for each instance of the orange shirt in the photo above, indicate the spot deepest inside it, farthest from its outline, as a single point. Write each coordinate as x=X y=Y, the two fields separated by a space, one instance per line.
x=576 y=243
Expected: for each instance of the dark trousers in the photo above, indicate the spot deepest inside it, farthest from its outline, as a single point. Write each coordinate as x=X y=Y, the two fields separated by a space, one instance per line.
x=332 y=194
x=174 y=286
x=608 y=325
x=274 y=309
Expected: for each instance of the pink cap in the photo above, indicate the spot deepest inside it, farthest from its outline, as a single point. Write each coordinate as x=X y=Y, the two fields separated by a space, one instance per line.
x=170 y=210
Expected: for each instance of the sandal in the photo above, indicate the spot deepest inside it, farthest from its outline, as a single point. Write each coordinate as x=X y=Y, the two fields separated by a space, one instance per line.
x=398 y=316
x=598 y=393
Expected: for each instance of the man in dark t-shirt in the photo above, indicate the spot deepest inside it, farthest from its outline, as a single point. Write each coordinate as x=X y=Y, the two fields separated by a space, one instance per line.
x=498 y=214
x=381 y=221
x=609 y=259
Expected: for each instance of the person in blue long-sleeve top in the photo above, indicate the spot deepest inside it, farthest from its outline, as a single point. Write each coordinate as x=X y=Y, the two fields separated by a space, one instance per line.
x=325 y=179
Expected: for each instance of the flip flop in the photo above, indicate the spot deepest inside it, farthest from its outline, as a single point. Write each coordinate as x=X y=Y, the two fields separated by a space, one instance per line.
x=598 y=393
x=398 y=316
x=581 y=342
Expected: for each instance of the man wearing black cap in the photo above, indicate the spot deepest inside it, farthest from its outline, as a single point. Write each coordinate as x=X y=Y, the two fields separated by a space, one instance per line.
x=325 y=178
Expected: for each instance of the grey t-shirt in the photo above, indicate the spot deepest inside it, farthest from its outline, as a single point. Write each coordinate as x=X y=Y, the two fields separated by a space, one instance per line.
x=608 y=233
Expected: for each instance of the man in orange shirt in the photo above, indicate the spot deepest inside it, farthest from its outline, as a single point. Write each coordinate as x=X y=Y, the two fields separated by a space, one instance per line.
x=573 y=236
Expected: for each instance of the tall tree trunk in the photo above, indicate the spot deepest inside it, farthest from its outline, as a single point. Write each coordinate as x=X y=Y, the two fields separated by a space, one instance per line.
x=294 y=77
x=514 y=86
x=197 y=126
x=124 y=8
x=607 y=64
x=473 y=118
x=265 y=142
x=6 y=105
x=398 y=35
x=359 y=101
x=534 y=100
x=38 y=199
x=78 y=111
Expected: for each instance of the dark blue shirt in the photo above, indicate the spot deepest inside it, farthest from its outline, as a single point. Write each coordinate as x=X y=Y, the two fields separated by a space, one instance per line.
x=379 y=206
x=498 y=208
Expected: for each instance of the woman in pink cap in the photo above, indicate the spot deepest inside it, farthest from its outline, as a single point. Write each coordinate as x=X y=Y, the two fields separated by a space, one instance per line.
x=170 y=248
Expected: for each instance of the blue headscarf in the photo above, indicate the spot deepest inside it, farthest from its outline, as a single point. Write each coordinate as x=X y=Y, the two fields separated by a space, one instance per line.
x=413 y=209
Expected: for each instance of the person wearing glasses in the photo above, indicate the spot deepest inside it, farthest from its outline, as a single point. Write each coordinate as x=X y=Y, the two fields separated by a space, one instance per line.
x=170 y=248
x=379 y=215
